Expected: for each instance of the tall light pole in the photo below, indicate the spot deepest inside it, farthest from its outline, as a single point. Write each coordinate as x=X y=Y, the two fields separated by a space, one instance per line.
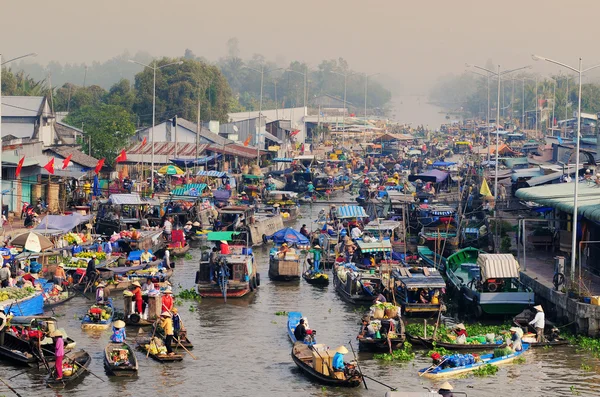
x=262 y=72
x=33 y=54
x=305 y=74
x=553 y=102
x=580 y=72
x=366 y=90
x=345 y=76
x=487 y=121
x=154 y=68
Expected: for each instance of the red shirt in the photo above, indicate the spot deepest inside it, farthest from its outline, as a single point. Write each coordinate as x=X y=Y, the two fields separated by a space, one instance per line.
x=167 y=303
x=224 y=249
x=137 y=294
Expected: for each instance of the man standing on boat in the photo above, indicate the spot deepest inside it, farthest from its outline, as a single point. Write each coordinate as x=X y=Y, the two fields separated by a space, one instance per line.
x=539 y=322
x=316 y=251
x=166 y=324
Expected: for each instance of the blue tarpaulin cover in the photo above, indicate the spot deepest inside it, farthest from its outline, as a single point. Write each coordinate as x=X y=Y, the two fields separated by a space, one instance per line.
x=60 y=224
x=290 y=236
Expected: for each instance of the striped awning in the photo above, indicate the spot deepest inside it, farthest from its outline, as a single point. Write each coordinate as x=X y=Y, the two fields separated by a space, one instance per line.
x=498 y=266
x=191 y=189
x=351 y=211
x=215 y=174
x=378 y=246
x=282 y=160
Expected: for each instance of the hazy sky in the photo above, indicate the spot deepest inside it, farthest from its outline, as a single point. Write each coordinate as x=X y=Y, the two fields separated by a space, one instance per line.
x=413 y=41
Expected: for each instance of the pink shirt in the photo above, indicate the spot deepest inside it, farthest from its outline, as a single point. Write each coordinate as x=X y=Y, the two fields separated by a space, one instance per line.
x=59 y=349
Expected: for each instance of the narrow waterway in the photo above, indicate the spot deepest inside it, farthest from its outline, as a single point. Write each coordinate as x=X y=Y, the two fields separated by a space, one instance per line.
x=243 y=350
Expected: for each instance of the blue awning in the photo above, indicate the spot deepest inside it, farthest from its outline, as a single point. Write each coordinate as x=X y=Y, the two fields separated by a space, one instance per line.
x=351 y=211
x=443 y=163
x=191 y=189
x=282 y=160
x=192 y=162
x=215 y=174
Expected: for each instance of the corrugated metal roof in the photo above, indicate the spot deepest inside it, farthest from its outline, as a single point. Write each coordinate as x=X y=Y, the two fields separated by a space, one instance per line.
x=351 y=211
x=191 y=189
x=216 y=174
x=539 y=180
x=18 y=130
x=378 y=246
x=22 y=106
x=560 y=196
x=498 y=266
x=167 y=148
x=126 y=199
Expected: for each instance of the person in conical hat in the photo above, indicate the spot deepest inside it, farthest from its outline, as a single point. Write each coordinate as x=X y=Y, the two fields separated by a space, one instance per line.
x=338 y=358
x=538 y=323
x=118 y=335
x=446 y=390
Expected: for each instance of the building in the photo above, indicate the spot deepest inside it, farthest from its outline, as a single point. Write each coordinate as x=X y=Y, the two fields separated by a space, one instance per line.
x=28 y=117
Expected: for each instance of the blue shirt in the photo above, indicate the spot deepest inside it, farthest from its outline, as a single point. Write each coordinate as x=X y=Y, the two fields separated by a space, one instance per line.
x=118 y=335
x=338 y=361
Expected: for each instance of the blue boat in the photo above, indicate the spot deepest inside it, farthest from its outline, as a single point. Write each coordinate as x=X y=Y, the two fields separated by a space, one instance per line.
x=293 y=320
x=30 y=306
x=439 y=372
x=93 y=318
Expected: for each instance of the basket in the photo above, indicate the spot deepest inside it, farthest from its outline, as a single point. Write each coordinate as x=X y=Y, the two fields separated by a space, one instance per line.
x=391 y=312
x=378 y=313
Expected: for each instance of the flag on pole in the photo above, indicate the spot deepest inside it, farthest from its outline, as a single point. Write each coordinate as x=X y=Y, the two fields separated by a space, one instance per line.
x=50 y=166
x=67 y=161
x=99 y=166
x=485 y=189
x=144 y=141
x=19 y=166
x=247 y=141
x=121 y=157
x=294 y=133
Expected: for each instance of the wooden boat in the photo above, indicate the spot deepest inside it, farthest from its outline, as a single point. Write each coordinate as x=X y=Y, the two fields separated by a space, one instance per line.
x=380 y=344
x=128 y=366
x=80 y=361
x=284 y=268
x=292 y=322
x=319 y=278
x=409 y=281
x=160 y=357
x=19 y=349
x=17 y=353
x=311 y=363
x=179 y=251
x=183 y=340
x=438 y=372
x=95 y=320
x=430 y=343
x=358 y=287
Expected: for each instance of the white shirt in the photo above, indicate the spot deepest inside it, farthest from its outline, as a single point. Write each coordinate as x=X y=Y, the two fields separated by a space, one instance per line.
x=539 y=321
x=168 y=226
x=167 y=256
x=356 y=233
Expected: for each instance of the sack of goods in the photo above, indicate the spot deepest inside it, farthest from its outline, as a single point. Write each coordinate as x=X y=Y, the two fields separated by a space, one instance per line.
x=460 y=360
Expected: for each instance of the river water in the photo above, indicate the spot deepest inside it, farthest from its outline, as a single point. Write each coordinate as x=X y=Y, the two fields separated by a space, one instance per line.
x=243 y=350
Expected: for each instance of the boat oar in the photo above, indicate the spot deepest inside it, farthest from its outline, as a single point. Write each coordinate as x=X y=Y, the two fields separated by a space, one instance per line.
x=20 y=373
x=433 y=367
x=152 y=339
x=381 y=383
x=79 y=365
x=183 y=347
x=11 y=389
x=358 y=365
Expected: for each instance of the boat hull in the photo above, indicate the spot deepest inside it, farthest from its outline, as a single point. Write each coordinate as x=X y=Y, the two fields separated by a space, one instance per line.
x=324 y=379
x=379 y=345
x=120 y=371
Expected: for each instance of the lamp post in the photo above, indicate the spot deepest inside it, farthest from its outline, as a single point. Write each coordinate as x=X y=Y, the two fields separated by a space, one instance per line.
x=345 y=76
x=33 y=54
x=487 y=75
x=366 y=90
x=262 y=72
x=154 y=68
x=305 y=74
x=580 y=72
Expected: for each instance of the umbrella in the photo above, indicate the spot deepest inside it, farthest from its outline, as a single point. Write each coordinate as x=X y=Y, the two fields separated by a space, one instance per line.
x=33 y=242
x=170 y=170
x=96 y=187
x=290 y=236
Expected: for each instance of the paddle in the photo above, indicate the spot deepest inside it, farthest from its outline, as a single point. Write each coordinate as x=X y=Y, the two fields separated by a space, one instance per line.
x=433 y=367
x=183 y=347
x=381 y=383
x=79 y=365
x=358 y=365
x=151 y=340
x=20 y=373
x=11 y=389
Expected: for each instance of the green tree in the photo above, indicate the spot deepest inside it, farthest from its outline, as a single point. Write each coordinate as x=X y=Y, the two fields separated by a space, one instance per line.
x=121 y=94
x=109 y=126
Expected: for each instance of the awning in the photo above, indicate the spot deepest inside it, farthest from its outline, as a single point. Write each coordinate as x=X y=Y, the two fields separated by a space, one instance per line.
x=420 y=280
x=191 y=189
x=282 y=192
x=215 y=174
x=351 y=211
x=378 y=246
x=498 y=266
x=271 y=137
x=540 y=180
x=59 y=224
x=435 y=176
x=126 y=199
x=218 y=236
x=193 y=162
x=282 y=160
x=383 y=225
x=443 y=163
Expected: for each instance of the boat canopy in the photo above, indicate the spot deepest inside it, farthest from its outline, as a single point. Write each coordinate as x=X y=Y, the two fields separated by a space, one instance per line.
x=60 y=224
x=218 y=236
x=383 y=225
x=351 y=211
x=498 y=266
x=378 y=246
x=444 y=163
x=286 y=192
x=26 y=320
x=419 y=279
x=126 y=199
x=283 y=160
x=190 y=189
x=290 y=236
x=214 y=174
x=250 y=176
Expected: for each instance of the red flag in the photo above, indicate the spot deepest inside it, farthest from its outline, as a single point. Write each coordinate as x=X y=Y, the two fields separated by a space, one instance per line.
x=144 y=141
x=99 y=166
x=121 y=157
x=50 y=166
x=247 y=141
x=294 y=133
x=67 y=161
x=19 y=166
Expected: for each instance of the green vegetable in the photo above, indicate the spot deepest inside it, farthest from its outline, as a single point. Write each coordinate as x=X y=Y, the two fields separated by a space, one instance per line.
x=281 y=313
x=486 y=370
x=188 y=294
x=404 y=354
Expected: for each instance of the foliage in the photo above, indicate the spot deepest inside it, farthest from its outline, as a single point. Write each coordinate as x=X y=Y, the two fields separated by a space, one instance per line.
x=22 y=84
x=281 y=313
x=188 y=256
x=416 y=329
x=505 y=244
x=504 y=227
x=404 y=354
x=585 y=367
x=109 y=126
x=586 y=344
x=486 y=370
x=574 y=391
x=188 y=294
x=440 y=350
x=520 y=360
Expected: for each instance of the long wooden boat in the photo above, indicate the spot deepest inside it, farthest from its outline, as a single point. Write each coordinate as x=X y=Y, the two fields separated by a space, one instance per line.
x=32 y=305
x=430 y=343
x=16 y=354
x=89 y=323
x=292 y=322
x=180 y=251
x=375 y=345
x=128 y=367
x=284 y=269
x=485 y=359
x=354 y=288
x=303 y=358
x=183 y=340
x=80 y=360
x=161 y=358
x=316 y=278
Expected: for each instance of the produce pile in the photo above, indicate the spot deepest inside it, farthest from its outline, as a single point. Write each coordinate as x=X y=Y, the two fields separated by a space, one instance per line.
x=156 y=347
x=384 y=310
x=120 y=356
x=99 y=313
x=479 y=334
x=130 y=234
x=75 y=238
x=69 y=369
x=99 y=255
x=11 y=293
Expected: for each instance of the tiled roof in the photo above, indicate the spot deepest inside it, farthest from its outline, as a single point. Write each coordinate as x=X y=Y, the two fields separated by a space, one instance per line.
x=78 y=156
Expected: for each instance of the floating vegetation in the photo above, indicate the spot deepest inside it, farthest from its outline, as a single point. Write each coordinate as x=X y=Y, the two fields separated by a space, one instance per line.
x=586 y=344
x=281 y=313
x=405 y=354
x=188 y=294
x=586 y=367
x=486 y=370
x=520 y=360
x=188 y=256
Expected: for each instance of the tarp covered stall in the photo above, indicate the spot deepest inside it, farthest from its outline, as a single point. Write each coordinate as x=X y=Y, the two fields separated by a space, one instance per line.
x=191 y=189
x=434 y=176
x=498 y=266
x=61 y=224
x=218 y=236
x=378 y=246
x=351 y=211
x=214 y=174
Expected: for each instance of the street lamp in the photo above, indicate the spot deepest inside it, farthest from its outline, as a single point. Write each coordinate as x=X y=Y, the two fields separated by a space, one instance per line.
x=33 y=54
x=580 y=72
x=262 y=72
x=366 y=88
x=345 y=76
x=305 y=74
x=154 y=69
